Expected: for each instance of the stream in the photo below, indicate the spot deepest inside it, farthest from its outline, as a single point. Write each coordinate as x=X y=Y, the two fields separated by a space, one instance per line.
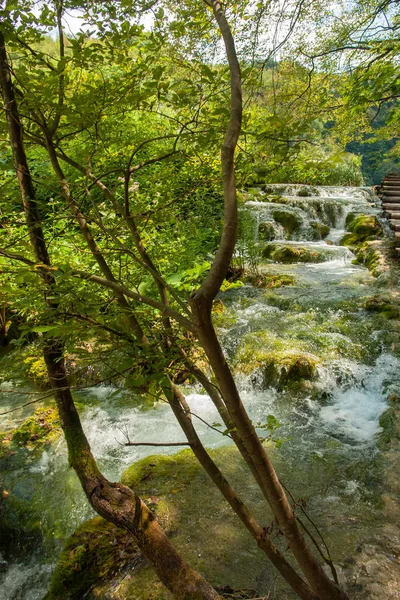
x=331 y=421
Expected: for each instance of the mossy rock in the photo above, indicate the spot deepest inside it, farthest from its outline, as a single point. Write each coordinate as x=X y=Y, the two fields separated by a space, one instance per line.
x=370 y=254
x=270 y=280
x=350 y=218
x=37 y=432
x=288 y=219
x=365 y=226
x=191 y=511
x=383 y=305
x=162 y=474
x=291 y=254
x=320 y=230
x=350 y=240
x=95 y=552
x=390 y=428
x=305 y=192
x=267 y=230
x=288 y=369
x=268 y=250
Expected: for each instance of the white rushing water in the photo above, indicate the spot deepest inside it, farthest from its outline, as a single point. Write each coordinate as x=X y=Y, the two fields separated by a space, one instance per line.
x=348 y=398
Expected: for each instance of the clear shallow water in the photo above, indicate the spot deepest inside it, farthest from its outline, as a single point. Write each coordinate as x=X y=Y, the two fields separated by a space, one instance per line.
x=337 y=423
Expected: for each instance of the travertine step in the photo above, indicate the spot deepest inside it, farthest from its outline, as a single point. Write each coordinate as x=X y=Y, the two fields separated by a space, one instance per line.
x=393 y=215
x=395 y=225
x=397 y=238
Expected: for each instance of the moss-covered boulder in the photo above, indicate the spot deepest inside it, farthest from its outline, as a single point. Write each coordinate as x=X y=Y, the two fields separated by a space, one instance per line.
x=350 y=218
x=292 y=254
x=361 y=228
x=304 y=192
x=97 y=551
x=269 y=280
x=267 y=230
x=35 y=433
x=384 y=305
x=319 y=230
x=365 y=226
x=289 y=220
x=268 y=250
x=102 y=562
x=289 y=369
x=371 y=255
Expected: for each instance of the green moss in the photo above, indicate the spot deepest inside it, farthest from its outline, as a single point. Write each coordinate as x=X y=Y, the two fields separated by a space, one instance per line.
x=267 y=230
x=390 y=429
x=268 y=250
x=350 y=218
x=305 y=192
x=365 y=226
x=96 y=551
x=370 y=255
x=351 y=240
x=288 y=219
x=38 y=431
x=362 y=228
x=291 y=254
x=270 y=280
x=383 y=305
x=320 y=230
x=37 y=371
x=173 y=473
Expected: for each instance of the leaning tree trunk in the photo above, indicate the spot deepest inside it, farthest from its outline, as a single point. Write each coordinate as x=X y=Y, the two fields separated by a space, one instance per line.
x=201 y=303
x=113 y=501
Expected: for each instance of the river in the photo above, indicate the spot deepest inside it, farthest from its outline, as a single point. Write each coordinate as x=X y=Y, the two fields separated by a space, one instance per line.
x=320 y=315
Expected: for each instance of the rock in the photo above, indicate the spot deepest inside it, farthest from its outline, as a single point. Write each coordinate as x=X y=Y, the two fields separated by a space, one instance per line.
x=292 y=254
x=383 y=305
x=288 y=219
x=267 y=230
x=365 y=226
x=320 y=230
x=283 y=369
x=370 y=254
x=270 y=280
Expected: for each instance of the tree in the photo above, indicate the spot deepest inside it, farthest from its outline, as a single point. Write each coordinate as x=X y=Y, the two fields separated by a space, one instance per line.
x=65 y=106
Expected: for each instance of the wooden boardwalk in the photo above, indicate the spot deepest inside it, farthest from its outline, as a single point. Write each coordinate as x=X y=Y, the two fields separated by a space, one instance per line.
x=390 y=196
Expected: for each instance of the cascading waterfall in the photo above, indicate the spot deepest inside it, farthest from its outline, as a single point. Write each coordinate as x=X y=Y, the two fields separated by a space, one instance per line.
x=332 y=418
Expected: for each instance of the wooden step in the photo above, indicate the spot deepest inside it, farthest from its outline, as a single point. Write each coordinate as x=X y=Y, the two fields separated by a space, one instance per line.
x=395 y=225
x=391 y=200
x=390 y=188
x=393 y=215
x=391 y=193
x=397 y=238
x=391 y=206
